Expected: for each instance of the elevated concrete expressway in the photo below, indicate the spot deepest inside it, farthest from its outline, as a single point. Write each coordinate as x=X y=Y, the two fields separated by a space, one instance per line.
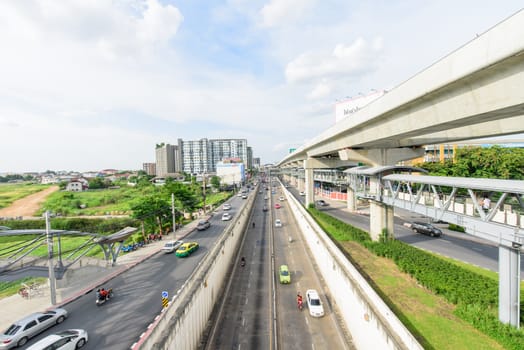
x=474 y=92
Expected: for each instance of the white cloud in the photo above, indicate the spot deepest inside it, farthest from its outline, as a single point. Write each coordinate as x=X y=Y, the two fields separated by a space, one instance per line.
x=321 y=90
x=355 y=59
x=284 y=12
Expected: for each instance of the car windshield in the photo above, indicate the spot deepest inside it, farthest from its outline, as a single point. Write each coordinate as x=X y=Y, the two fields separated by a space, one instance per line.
x=12 y=330
x=183 y=248
x=284 y=273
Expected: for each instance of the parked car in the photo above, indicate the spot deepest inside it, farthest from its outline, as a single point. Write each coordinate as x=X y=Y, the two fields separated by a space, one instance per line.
x=171 y=246
x=427 y=229
x=186 y=249
x=322 y=203
x=302 y=193
x=278 y=223
x=281 y=198
x=284 y=275
x=314 y=304
x=203 y=225
x=70 y=339
x=21 y=331
x=227 y=206
x=226 y=217
x=277 y=206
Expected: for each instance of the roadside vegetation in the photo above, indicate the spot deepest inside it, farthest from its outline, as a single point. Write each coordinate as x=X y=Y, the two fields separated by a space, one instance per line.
x=444 y=304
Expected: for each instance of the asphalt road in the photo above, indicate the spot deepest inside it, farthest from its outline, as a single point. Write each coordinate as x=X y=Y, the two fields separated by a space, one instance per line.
x=258 y=314
x=117 y=324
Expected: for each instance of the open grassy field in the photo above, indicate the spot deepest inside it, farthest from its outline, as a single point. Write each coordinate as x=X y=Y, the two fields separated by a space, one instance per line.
x=12 y=192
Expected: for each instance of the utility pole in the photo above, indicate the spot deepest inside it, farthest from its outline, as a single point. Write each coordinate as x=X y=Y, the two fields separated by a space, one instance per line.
x=204 y=191
x=52 y=279
x=173 y=212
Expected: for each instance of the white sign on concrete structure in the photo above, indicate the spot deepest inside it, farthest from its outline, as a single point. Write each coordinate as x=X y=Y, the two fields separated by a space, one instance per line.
x=347 y=107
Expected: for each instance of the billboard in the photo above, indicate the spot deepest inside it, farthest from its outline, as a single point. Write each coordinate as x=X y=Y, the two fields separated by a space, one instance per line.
x=350 y=106
x=231 y=173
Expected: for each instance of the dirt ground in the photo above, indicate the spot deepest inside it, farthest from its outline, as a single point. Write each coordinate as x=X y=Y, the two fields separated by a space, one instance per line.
x=29 y=205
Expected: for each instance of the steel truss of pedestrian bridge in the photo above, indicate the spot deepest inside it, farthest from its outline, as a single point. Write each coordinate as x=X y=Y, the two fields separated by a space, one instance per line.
x=437 y=197
x=110 y=245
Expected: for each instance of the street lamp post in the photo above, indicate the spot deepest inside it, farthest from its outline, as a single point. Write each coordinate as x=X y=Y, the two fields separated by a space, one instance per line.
x=52 y=279
x=173 y=212
x=204 y=191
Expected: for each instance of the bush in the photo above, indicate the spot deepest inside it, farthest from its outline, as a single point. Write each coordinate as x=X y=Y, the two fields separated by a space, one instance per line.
x=457 y=228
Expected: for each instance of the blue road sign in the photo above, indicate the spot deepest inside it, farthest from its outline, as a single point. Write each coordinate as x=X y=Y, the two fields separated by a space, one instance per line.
x=164 y=294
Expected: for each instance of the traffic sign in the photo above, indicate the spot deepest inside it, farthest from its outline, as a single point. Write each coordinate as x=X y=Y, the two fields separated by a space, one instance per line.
x=164 y=294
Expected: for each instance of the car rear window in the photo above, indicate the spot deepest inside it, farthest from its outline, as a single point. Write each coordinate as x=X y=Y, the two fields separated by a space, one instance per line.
x=315 y=301
x=13 y=329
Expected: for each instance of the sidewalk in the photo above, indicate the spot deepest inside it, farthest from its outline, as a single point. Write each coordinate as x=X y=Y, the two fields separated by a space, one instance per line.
x=81 y=280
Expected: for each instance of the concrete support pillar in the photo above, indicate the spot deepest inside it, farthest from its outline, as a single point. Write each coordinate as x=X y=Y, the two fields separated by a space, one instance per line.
x=351 y=200
x=374 y=186
x=301 y=186
x=380 y=217
x=509 y=286
x=309 y=187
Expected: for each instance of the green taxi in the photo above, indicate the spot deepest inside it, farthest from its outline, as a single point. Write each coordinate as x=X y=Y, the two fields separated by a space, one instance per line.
x=186 y=249
x=285 y=276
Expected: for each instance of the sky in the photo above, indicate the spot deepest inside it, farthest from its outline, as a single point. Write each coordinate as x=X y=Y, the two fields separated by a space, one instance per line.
x=91 y=85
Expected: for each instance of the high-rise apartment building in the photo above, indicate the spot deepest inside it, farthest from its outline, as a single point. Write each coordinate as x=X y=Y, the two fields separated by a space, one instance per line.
x=223 y=149
x=167 y=159
x=249 y=163
x=195 y=156
x=149 y=168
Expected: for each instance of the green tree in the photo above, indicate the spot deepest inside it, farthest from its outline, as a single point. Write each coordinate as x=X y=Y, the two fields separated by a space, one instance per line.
x=152 y=210
x=494 y=162
x=96 y=183
x=215 y=182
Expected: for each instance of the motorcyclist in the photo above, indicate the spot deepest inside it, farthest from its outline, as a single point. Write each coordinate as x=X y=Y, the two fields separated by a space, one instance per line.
x=103 y=294
x=242 y=261
x=299 y=300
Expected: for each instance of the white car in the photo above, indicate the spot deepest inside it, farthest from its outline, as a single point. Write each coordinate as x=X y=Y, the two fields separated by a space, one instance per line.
x=21 y=331
x=314 y=304
x=227 y=206
x=281 y=198
x=171 y=246
x=302 y=193
x=226 y=217
x=70 y=339
x=278 y=223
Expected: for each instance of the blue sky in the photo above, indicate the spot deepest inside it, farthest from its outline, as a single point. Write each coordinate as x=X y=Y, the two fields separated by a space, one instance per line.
x=88 y=85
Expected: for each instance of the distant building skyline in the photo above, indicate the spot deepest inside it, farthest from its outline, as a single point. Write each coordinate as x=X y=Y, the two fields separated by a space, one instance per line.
x=200 y=156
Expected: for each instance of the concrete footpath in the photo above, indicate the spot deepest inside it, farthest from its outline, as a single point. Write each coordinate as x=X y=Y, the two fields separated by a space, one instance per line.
x=81 y=279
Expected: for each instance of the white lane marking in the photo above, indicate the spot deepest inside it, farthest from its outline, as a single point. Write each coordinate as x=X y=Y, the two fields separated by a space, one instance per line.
x=246 y=300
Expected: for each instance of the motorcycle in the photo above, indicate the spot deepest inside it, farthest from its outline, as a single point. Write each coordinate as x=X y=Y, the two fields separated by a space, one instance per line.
x=100 y=300
x=300 y=304
x=243 y=262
